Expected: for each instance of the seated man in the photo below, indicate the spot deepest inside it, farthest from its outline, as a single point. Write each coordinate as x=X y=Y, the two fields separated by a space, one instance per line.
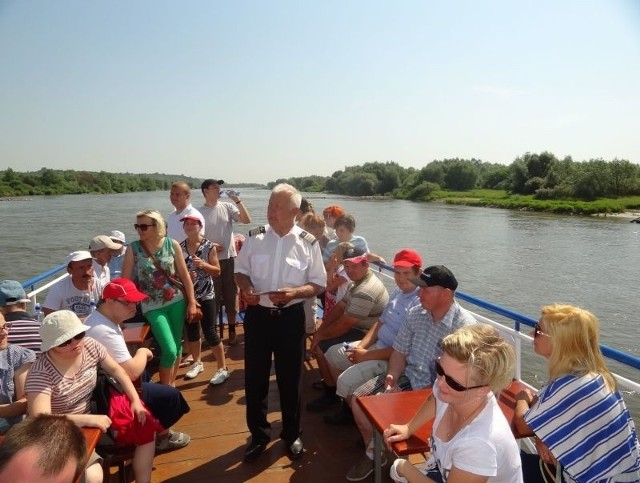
x=79 y=292
x=117 y=304
x=25 y=330
x=415 y=350
x=349 y=320
x=351 y=367
x=44 y=448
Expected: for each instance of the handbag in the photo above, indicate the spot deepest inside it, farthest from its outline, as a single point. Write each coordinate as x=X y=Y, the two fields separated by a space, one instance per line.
x=176 y=282
x=101 y=396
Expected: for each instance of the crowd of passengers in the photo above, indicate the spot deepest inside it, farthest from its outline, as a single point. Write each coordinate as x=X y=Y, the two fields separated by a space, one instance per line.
x=367 y=342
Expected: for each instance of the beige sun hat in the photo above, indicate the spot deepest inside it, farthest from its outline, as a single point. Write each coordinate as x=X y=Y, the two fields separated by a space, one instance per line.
x=59 y=327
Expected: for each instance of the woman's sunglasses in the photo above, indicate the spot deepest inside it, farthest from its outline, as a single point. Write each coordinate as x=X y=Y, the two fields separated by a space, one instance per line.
x=537 y=330
x=80 y=336
x=142 y=226
x=451 y=382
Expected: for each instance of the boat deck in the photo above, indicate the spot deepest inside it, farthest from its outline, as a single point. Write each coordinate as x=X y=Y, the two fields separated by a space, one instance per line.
x=216 y=424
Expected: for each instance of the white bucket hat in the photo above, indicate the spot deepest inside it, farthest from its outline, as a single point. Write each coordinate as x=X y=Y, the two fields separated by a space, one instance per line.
x=58 y=327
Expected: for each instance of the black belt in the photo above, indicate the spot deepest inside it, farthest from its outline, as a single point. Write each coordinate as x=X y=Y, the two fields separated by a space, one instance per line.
x=279 y=311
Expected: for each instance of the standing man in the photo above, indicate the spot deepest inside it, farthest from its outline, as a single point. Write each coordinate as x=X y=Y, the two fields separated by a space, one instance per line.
x=219 y=217
x=80 y=292
x=115 y=264
x=278 y=267
x=180 y=197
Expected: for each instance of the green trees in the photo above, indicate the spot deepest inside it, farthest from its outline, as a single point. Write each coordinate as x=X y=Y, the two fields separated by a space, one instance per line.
x=57 y=182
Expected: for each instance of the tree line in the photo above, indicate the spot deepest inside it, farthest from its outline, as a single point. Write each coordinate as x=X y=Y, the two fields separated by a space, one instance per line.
x=542 y=175
x=58 y=182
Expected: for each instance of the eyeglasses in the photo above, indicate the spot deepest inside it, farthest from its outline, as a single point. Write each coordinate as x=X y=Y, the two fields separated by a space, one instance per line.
x=451 y=382
x=142 y=226
x=80 y=336
x=6 y=327
x=537 y=330
x=126 y=303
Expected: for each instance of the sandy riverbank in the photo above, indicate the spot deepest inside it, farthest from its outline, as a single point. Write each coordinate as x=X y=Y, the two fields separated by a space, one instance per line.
x=627 y=215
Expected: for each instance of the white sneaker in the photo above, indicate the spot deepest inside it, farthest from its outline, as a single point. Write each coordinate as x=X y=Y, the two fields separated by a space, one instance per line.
x=196 y=369
x=219 y=377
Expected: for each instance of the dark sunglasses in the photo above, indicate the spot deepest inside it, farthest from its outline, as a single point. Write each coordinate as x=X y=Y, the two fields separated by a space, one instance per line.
x=142 y=226
x=80 y=336
x=451 y=382
x=537 y=330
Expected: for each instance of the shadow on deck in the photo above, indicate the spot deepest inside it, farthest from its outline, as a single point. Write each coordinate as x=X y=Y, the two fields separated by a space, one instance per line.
x=216 y=424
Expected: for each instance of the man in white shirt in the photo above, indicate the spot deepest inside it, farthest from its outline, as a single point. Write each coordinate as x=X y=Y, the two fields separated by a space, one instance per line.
x=117 y=304
x=180 y=197
x=79 y=292
x=278 y=267
x=219 y=217
x=102 y=249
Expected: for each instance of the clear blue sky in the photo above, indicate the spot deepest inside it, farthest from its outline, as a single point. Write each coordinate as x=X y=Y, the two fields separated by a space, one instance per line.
x=251 y=91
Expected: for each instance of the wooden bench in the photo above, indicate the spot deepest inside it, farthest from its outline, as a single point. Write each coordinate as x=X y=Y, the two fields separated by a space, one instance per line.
x=135 y=334
x=398 y=408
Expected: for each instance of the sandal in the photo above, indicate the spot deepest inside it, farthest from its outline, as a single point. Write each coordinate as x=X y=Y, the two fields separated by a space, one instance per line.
x=186 y=361
x=173 y=440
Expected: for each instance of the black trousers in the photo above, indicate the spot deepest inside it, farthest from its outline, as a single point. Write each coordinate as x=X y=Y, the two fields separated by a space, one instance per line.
x=279 y=333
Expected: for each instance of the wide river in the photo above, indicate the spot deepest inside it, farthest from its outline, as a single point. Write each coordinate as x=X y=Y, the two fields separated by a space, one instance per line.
x=519 y=260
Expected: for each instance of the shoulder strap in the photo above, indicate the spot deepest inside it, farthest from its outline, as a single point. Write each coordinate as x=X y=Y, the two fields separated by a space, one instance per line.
x=308 y=237
x=257 y=231
x=174 y=280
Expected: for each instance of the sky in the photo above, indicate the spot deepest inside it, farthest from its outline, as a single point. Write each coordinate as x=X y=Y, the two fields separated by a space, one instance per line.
x=253 y=91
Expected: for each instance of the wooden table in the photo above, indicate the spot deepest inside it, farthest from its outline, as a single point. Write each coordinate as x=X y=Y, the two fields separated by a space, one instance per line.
x=397 y=408
x=135 y=333
x=400 y=407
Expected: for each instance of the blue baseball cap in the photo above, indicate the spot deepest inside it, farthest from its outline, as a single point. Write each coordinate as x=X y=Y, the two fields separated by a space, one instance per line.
x=12 y=293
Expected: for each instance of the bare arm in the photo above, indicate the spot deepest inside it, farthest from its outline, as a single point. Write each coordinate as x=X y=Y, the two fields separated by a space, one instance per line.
x=135 y=366
x=40 y=403
x=397 y=363
x=19 y=406
x=524 y=400
x=127 y=264
x=244 y=213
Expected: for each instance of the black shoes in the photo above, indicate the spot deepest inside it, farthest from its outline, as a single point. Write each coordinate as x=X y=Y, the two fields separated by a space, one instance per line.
x=254 y=449
x=296 y=449
x=323 y=402
x=342 y=416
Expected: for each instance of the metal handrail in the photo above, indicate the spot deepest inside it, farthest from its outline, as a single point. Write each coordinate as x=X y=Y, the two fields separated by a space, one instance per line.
x=614 y=354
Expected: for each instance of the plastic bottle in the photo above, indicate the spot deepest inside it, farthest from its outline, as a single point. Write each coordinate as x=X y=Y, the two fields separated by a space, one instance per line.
x=93 y=305
x=231 y=193
x=38 y=312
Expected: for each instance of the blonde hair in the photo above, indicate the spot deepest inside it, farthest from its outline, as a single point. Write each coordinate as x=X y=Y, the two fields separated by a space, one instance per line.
x=491 y=359
x=311 y=221
x=575 y=340
x=161 y=225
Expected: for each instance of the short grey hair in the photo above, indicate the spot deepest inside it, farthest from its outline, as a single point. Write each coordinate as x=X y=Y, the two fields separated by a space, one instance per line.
x=294 y=194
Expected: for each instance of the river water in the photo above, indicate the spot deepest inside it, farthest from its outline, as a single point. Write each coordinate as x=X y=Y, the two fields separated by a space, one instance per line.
x=519 y=260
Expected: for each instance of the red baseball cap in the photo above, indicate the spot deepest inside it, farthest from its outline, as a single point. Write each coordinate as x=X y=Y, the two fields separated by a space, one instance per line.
x=192 y=218
x=122 y=288
x=407 y=258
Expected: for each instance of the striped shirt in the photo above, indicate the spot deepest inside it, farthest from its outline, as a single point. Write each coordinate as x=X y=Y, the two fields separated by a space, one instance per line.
x=25 y=331
x=588 y=429
x=366 y=300
x=69 y=395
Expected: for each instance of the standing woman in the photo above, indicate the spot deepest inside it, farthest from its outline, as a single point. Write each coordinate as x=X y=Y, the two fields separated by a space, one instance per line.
x=583 y=429
x=471 y=440
x=202 y=263
x=152 y=262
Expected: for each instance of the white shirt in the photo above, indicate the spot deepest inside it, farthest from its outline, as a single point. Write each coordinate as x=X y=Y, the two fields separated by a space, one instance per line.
x=485 y=446
x=174 y=225
x=64 y=295
x=219 y=226
x=102 y=273
x=273 y=262
x=109 y=334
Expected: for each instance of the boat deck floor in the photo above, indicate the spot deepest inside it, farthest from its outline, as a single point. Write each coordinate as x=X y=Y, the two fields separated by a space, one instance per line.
x=216 y=424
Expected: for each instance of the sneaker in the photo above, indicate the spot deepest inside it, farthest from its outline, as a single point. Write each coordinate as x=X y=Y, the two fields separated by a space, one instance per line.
x=197 y=368
x=173 y=440
x=363 y=468
x=219 y=377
